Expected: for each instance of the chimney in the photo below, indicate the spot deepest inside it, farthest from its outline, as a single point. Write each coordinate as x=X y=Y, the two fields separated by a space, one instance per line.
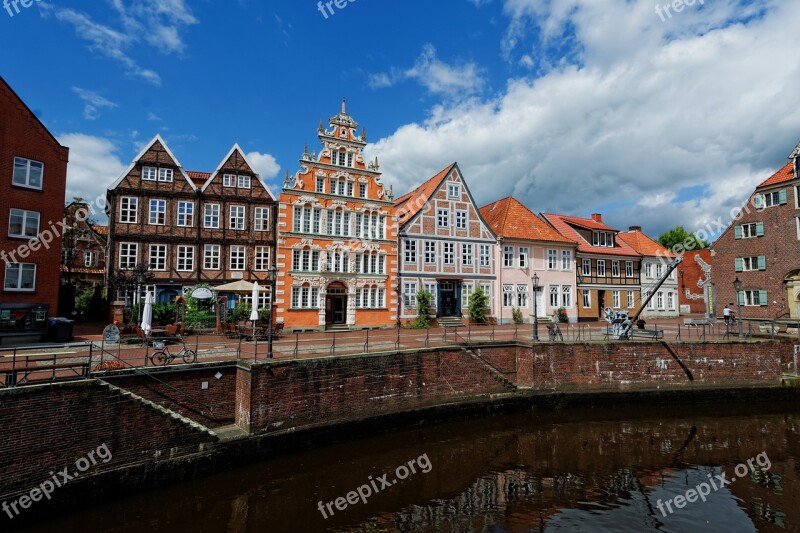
x=636 y=228
x=597 y=217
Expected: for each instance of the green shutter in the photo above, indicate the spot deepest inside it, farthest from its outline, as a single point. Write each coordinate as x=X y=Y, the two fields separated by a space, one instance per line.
x=759 y=229
x=741 y=298
x=762 y=298
x=739 y=263
x=737 y=231
x=783 y=197
x=762 y=262
x=758 y=201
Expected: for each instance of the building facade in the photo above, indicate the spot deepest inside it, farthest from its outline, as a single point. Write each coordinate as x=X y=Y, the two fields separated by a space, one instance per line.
x=608 y=270
x=337 y=246
x=762 y=249
x=446 y=248
x=696 y=291
x=190 y=228
x=655 y=262
x=33 y=177
x=527 y=245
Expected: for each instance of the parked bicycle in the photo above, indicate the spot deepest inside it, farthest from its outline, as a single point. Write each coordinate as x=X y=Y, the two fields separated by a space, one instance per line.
x=555 y=332
x=162 y=356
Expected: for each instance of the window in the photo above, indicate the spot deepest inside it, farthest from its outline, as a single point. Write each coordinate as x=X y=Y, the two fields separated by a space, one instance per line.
x=244 y=182
x=648 y=270
x=430 y=252
x=586 y=267
x=670 y=301
x=128 y=210
x=603 y=239
x=211 y=257
x=508 y=256
x=615 y=299
x=461 y=220
x=486 y=288
x=261 y=258
x=128 y=255
x=237 y=258
x=371 y=263
x=566 y=296
x=659 y=270
x=186 y=214
x=797 y=221
x=466 y=292
x=211 y=216
x=236 y=218
x=601 y=268
x=524 y=253
x=410 y=294
x=261 y=219
x=305 y=297
x=443 y=218
x=566 y=259
x=587 y=299
x=449 y=253
x=772 y=199
x=371 y=297
x=552 y=259
x=411 y=251
x=749 y=231
x=165 y=174
x=338 y=262
x=91 y=258
x=660 y=300
x=362 y=190
x=753 y=298
x=650 y=304
x=158 y=212
x=158 y=257
x=430 y=288
x=20 y=277
x=522 y=296
x=28 y=173
x=485 y=255
x=553 y=296
x=350 y=188
x=453 y=190
x=339 y=223
x=466 y=254
x=746 y=264
x=615 y=271
x=228 y=180
x=23 y=223
x=185 y=258
x=305 y=261
x=320 y=185
x=149 y=173
x=508 y=295
x=306 y=219
x=631 y=301
x=629 y=270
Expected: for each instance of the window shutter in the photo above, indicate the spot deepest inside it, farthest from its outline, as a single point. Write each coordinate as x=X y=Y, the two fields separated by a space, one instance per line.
x=762 y=262
x=783 y=197
x=762 y=298
x=739 y=264
x=759 y=229
x=758 y=201
x=741 y=298
x=737 y=231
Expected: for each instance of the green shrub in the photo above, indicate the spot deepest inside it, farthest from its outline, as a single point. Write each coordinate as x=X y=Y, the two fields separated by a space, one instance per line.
x=424 y=299
x=516 y=316
x=478 y=306
x=561 y=315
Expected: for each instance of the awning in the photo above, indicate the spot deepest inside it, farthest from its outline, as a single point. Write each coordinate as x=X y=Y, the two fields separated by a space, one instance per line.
x=236 y=286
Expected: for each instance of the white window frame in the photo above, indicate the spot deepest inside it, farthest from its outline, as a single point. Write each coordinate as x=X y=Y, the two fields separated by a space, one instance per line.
x=211 y=213
x=229 y=180
x=485 y=255
x=237 y=258
x=448 y=253
x=212 y=255
x=185 y=258
x=128 y=255
x=566 y=260
x=26 y=216
x=616 y=299
x=454 y=190
x=410 y=294
x=237 y=215
x=261 y=218
x=29 y=164
x=157 y=211
x=508 y=256
x=552 y=259
x=166 y=175
x=261 y=258
x=616 y=269
x=524 y=254
x=430 y=252
x=149 y=173
x=601 y=268
x=185 y=218
x=410 y=251
x=566 y=296
x=128 y=210
x=21 y=269
x=586 y=295
x=243 y=182
x=631 y=299
x=442 y=218
x=157 y=261
x=586 y=267
x=91 y=258
x=554 y=295
x=629 y=270
x=467 y=253
x=461 y=220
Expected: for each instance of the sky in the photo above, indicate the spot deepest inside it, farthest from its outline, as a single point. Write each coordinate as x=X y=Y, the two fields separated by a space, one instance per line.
x=651 y=116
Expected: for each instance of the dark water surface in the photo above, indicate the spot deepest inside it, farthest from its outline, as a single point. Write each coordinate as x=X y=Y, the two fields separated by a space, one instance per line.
x=598 y=470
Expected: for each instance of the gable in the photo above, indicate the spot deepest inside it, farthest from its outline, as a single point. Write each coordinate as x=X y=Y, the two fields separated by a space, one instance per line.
x=155 y=154
x=235 y=163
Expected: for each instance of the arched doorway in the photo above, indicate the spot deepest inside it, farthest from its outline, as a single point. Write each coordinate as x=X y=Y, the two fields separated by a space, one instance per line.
x=336 y=304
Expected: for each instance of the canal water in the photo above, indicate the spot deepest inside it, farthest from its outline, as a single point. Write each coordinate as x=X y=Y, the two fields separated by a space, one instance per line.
x=570 y=470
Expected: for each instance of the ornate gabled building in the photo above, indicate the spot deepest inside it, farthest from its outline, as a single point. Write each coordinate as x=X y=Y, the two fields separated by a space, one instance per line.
x=190 y=227
x=446 y=248
x=337 y=246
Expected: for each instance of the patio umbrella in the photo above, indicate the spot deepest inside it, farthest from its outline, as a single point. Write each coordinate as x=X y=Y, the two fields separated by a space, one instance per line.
x=147 y=315
x=254 y=310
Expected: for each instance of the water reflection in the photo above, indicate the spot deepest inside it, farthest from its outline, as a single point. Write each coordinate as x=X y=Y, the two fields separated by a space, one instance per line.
x=570 y=471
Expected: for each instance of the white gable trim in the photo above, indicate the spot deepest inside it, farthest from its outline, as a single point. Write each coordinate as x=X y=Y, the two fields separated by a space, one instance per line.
x=140 y=155
x=216 y=172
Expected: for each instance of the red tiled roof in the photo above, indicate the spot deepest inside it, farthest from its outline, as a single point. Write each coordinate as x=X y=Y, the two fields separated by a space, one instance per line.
x=100 y=230
x=562 y=224
x=783 y=175
x=644 y=244
x=409 y=204
x=83 y=270
x=509 y=218
x=198 y=178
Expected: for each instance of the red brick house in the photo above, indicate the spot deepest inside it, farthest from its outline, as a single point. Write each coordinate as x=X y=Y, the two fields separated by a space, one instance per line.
x=33 y=179
x=696 y=290
x=762 y=249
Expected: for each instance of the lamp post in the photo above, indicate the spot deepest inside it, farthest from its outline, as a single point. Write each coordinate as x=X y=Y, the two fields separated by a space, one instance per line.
x=139 y=283
x=273 y=277
x=737 y=285
x=535 y=279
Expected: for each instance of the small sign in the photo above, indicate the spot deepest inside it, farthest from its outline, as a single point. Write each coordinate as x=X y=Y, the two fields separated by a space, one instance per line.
x=111 y=334
x=202 y=293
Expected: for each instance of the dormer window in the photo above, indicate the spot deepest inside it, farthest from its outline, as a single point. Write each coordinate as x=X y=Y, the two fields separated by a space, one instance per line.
x=603 y=239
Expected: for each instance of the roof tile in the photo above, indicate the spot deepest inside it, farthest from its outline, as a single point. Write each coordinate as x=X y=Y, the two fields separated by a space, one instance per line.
x=510 y=219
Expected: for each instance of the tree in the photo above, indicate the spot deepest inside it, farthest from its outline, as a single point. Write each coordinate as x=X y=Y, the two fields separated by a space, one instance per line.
x=424 y=299
x=478 y=303
x=679 y=236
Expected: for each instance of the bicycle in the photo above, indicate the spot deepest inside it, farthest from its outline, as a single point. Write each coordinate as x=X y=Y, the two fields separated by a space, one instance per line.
x=162 y=356
x=555 y=332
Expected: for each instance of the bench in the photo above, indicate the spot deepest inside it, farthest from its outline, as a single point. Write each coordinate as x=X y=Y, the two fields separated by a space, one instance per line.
x=654 y=334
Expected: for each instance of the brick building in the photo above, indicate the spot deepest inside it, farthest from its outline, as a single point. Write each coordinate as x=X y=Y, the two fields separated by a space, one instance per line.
x=762 y=249
x=608 y=269
x=527 y=245
x=33 y=178
x=337 y=250
x=696 y=294
x=190 y=227
x=446 y=248
x=83 y=257
x=655 y=261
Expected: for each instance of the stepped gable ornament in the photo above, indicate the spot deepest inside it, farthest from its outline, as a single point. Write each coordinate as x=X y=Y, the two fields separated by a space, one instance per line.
x=796 y=152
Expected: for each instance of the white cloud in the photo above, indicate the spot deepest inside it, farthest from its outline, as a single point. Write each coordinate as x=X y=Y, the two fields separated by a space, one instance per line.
x=93 y=103
x=640 y=112
x=265 y=164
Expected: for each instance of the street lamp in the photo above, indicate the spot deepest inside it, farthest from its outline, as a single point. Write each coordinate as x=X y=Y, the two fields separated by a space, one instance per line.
x=139 y=283
x=535 y=279
x=737 y=285
x=273 y=277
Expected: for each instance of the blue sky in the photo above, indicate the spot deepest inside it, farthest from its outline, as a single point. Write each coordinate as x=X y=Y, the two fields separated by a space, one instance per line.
x=573 y=106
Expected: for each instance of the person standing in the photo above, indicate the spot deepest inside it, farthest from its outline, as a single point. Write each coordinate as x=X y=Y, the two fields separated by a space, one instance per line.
x=726 y=315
